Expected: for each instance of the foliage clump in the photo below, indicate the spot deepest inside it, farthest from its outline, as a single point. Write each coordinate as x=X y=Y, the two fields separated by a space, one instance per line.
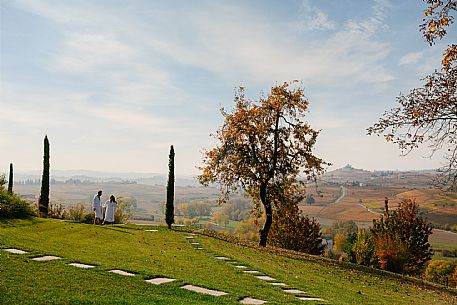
x=293 y=230
x=401 y=239
x=11 y=206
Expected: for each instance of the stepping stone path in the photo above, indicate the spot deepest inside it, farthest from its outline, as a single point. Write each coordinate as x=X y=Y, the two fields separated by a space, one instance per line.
x=45 y=258
x=204 y=290
x=251 y=271
x=79 y=265
x=160 y=280
x=252 y=301
x=121 y=272
x=15 y=251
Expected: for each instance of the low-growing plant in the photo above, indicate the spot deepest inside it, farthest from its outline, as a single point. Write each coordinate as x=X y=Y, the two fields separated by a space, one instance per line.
x=440 y=271
x=11 y=206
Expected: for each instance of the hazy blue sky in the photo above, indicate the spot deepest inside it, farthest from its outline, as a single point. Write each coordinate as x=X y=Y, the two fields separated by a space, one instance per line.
x=114 y=83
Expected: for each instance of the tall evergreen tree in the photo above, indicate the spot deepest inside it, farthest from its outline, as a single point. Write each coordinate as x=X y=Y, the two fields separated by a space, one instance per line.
x=44 y=196
x=169 y=213
x=10 y=181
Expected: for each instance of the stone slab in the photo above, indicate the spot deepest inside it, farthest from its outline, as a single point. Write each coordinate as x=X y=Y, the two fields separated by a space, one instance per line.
x=265 y=277
x=45 y=258
x=252 y=301
x=121 y=272
x=194 y=243
x=295 y=291
x=279 y=284
x=251 y=271
x=79 y=265
x=189 y=237
x=199 y=248
x=15 y=251
x=311 y=299
x=152 y=230
x=241 y=267
x=221 y=258
x=204 y=290
x=160 y=280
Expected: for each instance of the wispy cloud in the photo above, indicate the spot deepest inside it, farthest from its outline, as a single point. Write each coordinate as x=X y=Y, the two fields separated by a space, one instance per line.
x=312 y=18
x=410 y=58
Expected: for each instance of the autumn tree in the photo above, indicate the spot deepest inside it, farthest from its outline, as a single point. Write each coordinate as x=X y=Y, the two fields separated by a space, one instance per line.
x=169 y=212
x=401 y=239
x=263 y=147
x=43 y=203
x=10 y=180
x=428 y=115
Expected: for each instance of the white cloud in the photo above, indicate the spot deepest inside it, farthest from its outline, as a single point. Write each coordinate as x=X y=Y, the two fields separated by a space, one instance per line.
x=410 y=58
x=312 y=19
x=83 y=53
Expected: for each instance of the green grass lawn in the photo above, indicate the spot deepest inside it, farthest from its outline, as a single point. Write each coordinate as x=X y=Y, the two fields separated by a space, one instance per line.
x=167 y=253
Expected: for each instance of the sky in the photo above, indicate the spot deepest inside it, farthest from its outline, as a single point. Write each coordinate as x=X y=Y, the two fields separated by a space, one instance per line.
x=114 y=83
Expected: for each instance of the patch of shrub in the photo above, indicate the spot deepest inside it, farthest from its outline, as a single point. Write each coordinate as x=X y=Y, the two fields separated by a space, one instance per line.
x=11 y=206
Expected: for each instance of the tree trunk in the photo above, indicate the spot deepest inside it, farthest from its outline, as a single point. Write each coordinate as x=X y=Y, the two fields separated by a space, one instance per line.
x=269 y=219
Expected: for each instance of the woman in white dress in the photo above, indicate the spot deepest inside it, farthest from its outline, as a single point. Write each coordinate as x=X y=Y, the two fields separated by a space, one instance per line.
x=110 y=206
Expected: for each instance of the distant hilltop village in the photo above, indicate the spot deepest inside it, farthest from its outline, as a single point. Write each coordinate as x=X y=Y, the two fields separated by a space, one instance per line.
x=361 y=177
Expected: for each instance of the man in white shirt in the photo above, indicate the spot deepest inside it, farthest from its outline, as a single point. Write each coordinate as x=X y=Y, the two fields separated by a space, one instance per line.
x=97 y=207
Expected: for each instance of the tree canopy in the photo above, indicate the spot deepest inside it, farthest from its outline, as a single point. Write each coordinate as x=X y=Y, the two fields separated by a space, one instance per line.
x=429 y=114
x=263 y=147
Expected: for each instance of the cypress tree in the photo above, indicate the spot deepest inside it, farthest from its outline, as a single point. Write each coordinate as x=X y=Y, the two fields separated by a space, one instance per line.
x=169 y=212
x=44 y=196
x=10 y=181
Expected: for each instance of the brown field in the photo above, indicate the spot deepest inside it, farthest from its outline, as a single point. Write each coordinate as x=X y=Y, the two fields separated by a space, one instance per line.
x=363 y=204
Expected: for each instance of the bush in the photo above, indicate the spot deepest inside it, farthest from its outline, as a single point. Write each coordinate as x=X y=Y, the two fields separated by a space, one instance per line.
x=291 y=230
x=439 y=271
x=11 y=206
x=402 y=237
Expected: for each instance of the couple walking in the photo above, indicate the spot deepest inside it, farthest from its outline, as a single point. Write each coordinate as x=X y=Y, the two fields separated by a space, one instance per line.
x=110 y=206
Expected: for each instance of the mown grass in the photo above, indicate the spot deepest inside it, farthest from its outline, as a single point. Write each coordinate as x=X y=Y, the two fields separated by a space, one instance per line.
x=167 y=253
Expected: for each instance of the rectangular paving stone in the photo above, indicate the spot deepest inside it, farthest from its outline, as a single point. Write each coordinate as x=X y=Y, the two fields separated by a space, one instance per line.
x=251 y=271
x=160 y=280
x=252 y=301
x=221 y=258
x=121 y=272
x=296 y=291
x=311 y=299
x=45 y=258
x=199 y=248
x=15 y=251
x=152 y=230
x=278 y=284
x=189 y=237
x=265 y=277
x=79 y=265
x=241 y=267
x=204 y=290
x=194 y=243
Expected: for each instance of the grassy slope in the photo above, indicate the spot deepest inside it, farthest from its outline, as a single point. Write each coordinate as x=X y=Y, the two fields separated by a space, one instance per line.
x=167 y=253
